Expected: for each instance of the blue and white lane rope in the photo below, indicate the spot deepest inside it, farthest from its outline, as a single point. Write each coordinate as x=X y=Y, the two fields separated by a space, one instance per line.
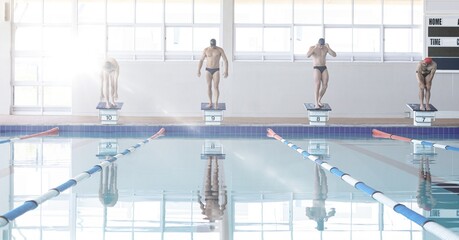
x=428 y=225
x=52 y=131
x=380 y=134
x=32 y=204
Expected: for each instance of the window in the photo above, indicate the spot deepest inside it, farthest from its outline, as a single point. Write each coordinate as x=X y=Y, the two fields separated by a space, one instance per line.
x=397 y=12
x=338 y=12
x=367 y=12
x=248 y=11
x=397 y=40
x=308 y=12
x=359 y=30
x=340 y=39
x=41 y=84
x=278 y=11
x=66 y=33
x=304 y=36
x=249 y=39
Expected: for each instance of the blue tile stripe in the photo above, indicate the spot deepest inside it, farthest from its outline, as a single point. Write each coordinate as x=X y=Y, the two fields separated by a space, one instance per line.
x=232 y=131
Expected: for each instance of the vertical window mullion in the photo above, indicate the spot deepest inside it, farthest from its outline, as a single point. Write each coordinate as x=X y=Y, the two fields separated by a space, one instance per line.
x=135 y=30
x=412 y=28
x=263 y=30
x=163 y=42
x=292 y=32
x=192 y=28
x=106 y=27
x=352 y=27
x=323 y=18
x=40 y=89
x=382 y=29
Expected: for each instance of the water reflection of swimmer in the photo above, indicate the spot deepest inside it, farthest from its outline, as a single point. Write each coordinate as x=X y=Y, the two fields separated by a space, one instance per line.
x=424 y=197
x=215 y=197
x=318 y=212
x=108 y=191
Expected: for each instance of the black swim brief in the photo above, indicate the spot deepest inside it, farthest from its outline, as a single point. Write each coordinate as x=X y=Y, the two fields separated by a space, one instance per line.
x=212 y=70
x=320 y=68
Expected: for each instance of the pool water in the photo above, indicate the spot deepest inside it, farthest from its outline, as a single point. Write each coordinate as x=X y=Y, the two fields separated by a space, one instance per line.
x=236 y=189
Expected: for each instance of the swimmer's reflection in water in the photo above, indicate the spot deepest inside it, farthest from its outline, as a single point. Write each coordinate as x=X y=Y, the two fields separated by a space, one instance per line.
x=108 y=190
x=215 y=195
x=318 y=211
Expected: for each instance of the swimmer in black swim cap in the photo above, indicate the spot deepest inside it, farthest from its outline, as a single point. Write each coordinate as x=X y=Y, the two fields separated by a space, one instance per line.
x=321 y=41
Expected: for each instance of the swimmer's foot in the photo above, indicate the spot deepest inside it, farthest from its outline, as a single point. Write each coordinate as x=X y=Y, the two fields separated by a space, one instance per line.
x=209 y=105
x=317 y=106
x=216 y=105
x=422 y=108
x=320 y=104
x=428 y=107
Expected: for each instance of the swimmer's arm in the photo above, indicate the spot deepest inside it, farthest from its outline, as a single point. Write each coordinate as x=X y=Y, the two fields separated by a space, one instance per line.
x=311 y=51
x=330 y=51
x=419 y=71
x=225 y=61
x=201 y=61
x=432 y=72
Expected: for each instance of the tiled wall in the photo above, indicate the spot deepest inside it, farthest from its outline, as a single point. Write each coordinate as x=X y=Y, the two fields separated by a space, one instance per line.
x=243 y=131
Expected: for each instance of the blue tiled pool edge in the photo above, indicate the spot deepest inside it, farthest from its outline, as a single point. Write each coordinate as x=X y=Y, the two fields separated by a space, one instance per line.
x=244 y=131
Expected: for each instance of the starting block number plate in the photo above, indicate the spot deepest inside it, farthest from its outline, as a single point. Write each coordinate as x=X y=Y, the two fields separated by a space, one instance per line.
x=213 y=117
x=108 y=116
x=318 y=117
x=423 y=118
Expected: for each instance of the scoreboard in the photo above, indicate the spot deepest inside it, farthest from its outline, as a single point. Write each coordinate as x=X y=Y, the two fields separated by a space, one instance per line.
x=442 y=41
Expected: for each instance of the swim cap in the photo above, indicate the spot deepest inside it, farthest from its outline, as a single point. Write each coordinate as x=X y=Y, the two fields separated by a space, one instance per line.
x=322 y=41
x=428 y=60
x=213 y=42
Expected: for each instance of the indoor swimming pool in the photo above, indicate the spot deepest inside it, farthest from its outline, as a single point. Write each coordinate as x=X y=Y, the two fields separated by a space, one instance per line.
x=235 y=187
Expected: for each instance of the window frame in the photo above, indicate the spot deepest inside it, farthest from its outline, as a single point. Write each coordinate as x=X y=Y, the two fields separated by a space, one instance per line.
x=293 y=55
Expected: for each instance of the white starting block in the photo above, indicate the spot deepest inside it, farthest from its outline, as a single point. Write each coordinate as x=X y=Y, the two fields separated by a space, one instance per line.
x=317 y=116
x=107 y=148
x=213 y=116
x=422 y=117
x=109 y=115
x=212 y=148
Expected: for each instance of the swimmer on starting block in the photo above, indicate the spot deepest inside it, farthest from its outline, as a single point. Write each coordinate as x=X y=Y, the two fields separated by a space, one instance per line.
x=109 y=82
x=425 y=72
x=213 y=54
x=319 y=53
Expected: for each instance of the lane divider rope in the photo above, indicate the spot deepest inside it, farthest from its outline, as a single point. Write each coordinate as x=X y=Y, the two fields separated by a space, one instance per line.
x=428 y=225
x=34 y=203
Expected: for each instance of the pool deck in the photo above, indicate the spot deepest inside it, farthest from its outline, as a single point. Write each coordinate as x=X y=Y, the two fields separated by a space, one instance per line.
x=228 y=121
